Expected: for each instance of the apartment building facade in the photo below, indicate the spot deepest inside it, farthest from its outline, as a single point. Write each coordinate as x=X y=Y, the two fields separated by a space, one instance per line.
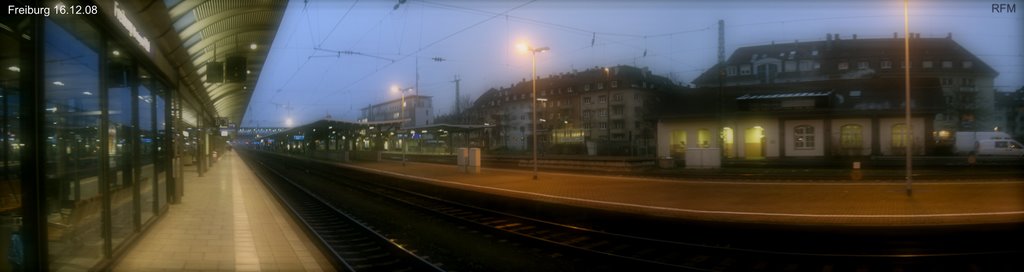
x=598 y=111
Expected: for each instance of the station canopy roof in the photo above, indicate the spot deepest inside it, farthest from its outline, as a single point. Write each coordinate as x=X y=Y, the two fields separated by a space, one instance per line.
x=211 y=31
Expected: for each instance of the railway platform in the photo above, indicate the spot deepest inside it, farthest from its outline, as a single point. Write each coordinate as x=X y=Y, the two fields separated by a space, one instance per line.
x=227 y=221
x=827 y=203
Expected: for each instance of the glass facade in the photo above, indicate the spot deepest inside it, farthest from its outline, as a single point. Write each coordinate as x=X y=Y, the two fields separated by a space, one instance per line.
x=86 y=144
x=71 y=83
x=11 y=90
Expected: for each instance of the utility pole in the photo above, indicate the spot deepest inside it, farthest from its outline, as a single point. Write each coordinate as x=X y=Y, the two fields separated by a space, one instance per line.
x=458 y=108
x=417 y=90
x=721 y=78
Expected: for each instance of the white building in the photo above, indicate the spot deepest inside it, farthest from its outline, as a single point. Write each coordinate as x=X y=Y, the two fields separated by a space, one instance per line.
x=418 y=111
x=836 y=118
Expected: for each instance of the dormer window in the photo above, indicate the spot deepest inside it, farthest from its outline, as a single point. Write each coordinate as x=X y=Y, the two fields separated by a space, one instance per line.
x=745 y=69
x=968 y=64
x=844 y=66
x=730 y=71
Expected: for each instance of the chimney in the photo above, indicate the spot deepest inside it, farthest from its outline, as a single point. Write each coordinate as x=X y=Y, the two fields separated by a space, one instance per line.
x=895 y=35
x=836 y=35
x=828 y=36
x=949 y=35
x=854 y=36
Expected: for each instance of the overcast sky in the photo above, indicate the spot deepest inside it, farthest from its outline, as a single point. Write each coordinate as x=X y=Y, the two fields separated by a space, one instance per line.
x=335 y=57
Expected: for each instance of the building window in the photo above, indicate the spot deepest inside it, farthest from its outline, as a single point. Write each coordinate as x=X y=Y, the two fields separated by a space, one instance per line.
x=600 y=86
x=805 y=65
x=968 y=64
x=850 y=137
x=617 y=97
x=587 y=114
x=862 y=65
x=814 y=53
x=886 y=64
x=618 y=124
x=602 y=99
x=745 y=69
x=947 y=64
x=899 y=136
x=678 y=144
x=586 y=87
x=803 y=136
x=967 y=82
x=587 y=100
x=617 y=110
x=602 y=113
x=844 y=66
x=790 y=66
x=730 y=71
x=704 y=138
x=947 y=81
x=615 y=84
x=927 y=64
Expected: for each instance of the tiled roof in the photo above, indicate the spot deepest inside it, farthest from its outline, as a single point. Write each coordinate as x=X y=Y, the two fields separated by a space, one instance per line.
x=828 y=53
x=784 y=95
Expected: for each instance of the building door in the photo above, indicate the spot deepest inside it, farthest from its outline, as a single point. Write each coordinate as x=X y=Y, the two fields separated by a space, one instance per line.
x=753 y=143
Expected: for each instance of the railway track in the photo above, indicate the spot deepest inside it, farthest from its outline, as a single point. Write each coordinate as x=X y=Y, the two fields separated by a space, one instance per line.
x=353 y=245
x=601 y=250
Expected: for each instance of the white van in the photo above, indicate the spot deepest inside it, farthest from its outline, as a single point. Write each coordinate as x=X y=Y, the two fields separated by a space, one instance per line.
x=967 y=141
x=1000 y=147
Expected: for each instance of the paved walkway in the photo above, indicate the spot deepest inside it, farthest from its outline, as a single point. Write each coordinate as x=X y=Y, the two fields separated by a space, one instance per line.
x=806 y=203
x=227 y=221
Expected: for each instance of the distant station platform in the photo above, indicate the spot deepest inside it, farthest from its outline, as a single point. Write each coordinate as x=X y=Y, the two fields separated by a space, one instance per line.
x=227 y=221
x=830 y=203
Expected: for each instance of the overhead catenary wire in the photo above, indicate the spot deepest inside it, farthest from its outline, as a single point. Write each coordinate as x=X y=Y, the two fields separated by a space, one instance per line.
x=343 y=16
x=609 y=39
x=347 y=89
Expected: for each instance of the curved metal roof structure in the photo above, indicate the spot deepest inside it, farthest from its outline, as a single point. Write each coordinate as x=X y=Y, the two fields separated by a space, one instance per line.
x=212 y=30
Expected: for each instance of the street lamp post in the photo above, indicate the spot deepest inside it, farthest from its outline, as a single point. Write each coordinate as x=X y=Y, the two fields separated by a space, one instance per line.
x=533 y=99
x=908 y=142
x=401 y=115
